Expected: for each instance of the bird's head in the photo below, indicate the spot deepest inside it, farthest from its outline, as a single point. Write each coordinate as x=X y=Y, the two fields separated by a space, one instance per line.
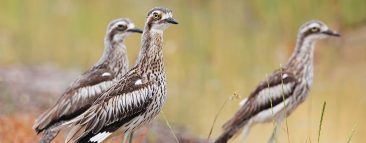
x=159 y=19
x=120 y=28
x=316 y=30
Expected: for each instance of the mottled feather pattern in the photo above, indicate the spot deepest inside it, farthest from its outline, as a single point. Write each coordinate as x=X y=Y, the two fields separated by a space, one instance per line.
x=82 y=92
x=93 y=77
x=79 y=96
x=118 y=103
x=274 y=86
x=267 y=101
x=136 y=98
x=282 y=92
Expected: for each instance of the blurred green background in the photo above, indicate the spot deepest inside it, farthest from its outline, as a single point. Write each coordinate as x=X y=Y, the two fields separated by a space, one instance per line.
x=219 y=48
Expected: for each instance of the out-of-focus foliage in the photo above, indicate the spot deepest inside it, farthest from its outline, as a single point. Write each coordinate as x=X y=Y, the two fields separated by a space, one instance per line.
x=218 y=48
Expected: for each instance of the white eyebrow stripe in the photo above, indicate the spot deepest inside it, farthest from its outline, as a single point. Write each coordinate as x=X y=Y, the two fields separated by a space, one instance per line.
x=121 y=22
x=167 y=15
x=314 y=25
x=304 y=29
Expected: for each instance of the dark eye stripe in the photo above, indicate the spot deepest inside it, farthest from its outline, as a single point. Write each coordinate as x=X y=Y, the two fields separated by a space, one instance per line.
x=315 y=29
x=121 y=27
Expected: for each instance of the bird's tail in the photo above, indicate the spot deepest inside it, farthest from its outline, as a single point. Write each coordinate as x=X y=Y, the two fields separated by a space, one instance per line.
x=44 y=120
x=48 y=136
x=68 y=123
x=231 y=128
x=74 y=133
x=76 y=130
x=50 y=133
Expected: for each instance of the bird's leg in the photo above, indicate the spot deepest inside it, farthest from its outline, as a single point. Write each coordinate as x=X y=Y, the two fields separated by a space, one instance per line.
x=274 y=133
x=125 y=138
x=245 y=133
x=130 y=137
x=278 y=121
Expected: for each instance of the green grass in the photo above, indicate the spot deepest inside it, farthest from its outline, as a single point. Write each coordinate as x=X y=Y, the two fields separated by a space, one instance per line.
x=321 y=121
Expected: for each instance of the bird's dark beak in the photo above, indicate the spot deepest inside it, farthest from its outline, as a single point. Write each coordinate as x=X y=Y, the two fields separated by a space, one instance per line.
x=134 y=30
x=332 y=33
x=171 y=20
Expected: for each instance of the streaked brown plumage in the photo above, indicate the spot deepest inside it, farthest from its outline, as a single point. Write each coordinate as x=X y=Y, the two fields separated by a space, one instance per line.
x=137 y=98
x=280 y=94
x=82 y=92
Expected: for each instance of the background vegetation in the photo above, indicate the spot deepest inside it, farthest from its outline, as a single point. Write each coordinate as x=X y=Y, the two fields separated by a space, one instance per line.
x=218 y=48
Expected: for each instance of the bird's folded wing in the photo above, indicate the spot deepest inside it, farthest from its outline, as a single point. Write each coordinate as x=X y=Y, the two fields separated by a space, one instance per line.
x=269 y=93
x=79 y=94
x=122 y=102
x=272 y=91
x=93 y=76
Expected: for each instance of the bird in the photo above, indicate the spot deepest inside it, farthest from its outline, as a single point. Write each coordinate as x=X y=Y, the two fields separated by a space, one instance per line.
x=80 y=95
x=284 y=90
x=137 y=98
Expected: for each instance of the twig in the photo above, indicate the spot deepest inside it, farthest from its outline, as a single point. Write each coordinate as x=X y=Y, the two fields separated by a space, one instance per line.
x=218 y=113
x=170 y=127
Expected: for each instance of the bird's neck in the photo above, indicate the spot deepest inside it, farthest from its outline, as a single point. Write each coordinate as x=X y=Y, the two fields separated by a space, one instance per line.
x=302 y=59
x=151 y=54
x=115 y=56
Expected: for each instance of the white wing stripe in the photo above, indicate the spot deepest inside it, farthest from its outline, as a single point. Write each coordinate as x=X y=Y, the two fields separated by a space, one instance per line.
x=90 y=91
x=124 y=100
x=123 y=103
x=265 y=115
x=138 y=82
x=138 y=99
x=274 y=92
x=242 y=102
x=100 y=137
x=129 y=100
x=106 y=74
x=135 y=99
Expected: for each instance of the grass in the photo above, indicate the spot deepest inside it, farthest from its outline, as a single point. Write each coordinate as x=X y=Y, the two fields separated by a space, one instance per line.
x=169 y=126
x=218 y=47
x=321 y=121
x=234 y=96
x=352 y=133
x=283 y=98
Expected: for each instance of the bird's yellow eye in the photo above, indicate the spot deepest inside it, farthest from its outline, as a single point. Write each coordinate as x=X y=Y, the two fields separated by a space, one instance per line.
x=156 y=16
x=315 y=29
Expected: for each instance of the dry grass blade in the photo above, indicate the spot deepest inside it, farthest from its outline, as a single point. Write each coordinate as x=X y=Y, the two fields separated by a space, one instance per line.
x=270 y=100
x=218 y=113
x=169 y=126
x=284 y=102
x=352 y=133
x=321 y=120
x=308 y=139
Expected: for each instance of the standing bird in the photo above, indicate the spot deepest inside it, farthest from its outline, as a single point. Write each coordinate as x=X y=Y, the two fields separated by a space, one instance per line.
x=284 y=90
x=83 y=91
x=137 y=98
